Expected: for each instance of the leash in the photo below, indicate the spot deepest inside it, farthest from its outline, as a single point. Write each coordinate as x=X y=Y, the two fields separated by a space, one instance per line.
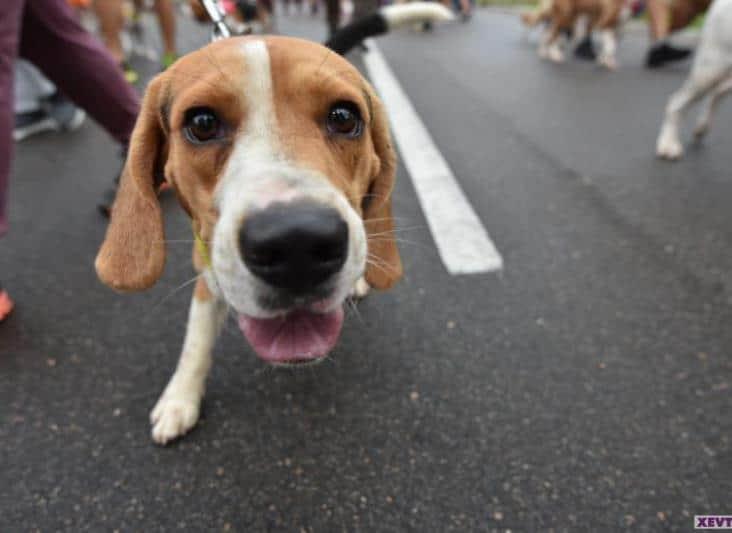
x=219 y=31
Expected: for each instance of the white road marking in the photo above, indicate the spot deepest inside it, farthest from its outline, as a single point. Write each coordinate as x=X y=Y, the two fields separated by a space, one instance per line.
x=464 y=245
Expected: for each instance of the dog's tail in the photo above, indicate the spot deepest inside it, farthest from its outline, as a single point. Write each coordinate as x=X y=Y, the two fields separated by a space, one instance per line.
x=386 y=19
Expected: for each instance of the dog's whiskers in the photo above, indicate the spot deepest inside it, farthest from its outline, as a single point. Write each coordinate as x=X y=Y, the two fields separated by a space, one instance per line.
x=175 y=290
x=353 y=306
x=381 y=264
x=396 y=230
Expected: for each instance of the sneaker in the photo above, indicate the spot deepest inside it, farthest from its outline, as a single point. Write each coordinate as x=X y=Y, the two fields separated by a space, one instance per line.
x=68 y=117
x=662 y=53
x=586 y=50
x=130 y=73
x=168 y=59
x=6 y=304
x=31 y=123
x=57 y=113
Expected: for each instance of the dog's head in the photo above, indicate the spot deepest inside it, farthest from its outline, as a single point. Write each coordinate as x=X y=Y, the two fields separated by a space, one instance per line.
x=279 y=151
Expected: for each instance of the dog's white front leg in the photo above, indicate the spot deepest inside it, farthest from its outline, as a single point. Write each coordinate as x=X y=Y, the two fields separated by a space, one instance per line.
x=609 y=49
x=178 y=407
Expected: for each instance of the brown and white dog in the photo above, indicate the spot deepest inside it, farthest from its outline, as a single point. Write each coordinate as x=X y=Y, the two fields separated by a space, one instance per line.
x=279 y=151
x=605 y=16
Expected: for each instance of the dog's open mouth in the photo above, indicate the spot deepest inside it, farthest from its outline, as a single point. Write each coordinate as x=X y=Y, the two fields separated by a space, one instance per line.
x=299 y=336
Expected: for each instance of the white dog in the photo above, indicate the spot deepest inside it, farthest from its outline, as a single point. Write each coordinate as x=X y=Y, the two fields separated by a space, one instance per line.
x=711 y=74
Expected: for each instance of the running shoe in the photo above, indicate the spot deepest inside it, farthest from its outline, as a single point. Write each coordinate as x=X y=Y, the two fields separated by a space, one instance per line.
x=662 y=53
x=6 y=304
x=168 y=59
x=130 y=73
x=57 y=113
x=68 y=117
x=32 y=123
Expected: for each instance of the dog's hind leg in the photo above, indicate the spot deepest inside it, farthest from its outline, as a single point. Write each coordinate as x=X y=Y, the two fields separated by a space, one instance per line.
x=178 y=408
x=705 y=119
x=704 y=77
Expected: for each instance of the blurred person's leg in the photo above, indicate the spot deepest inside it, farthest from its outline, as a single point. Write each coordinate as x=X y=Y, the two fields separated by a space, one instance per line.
x=361 y=8
x=10 y=22
x=30 y=90
x=333 y=15
x=583 y=28
x=79 y=66
x=77 y=63
x=30 y=87
x=664 y=18
x=111 y=21
x=466 y=9
x=166 y=20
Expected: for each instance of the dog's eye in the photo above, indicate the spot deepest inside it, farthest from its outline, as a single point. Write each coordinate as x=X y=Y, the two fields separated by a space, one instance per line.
x=202 y=125
x=344 y=119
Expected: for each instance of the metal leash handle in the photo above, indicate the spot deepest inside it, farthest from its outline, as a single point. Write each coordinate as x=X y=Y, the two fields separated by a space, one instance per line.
x=216 y=12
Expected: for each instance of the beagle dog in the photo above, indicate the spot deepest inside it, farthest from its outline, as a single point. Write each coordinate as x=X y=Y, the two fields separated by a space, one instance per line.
x=711 y=75
x=607 y=16
x=279 y=151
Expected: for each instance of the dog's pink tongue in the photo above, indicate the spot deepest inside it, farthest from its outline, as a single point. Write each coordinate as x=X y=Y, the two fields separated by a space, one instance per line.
x=299 y=336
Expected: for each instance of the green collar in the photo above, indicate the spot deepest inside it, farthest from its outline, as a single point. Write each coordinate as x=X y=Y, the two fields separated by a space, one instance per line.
x=201 y=247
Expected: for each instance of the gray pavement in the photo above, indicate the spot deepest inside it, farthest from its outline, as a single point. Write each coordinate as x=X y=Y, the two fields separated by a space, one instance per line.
x=584 y=388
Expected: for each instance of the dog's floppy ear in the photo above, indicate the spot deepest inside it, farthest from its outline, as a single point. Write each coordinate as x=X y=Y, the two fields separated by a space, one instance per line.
x=384 y=266
x=132 y=255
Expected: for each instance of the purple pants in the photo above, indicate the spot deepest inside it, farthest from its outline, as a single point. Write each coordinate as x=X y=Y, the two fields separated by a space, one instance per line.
x=46 y=33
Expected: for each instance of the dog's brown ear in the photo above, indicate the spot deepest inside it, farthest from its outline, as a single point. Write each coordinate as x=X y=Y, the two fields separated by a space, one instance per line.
x=384 y=266
x=132 y=255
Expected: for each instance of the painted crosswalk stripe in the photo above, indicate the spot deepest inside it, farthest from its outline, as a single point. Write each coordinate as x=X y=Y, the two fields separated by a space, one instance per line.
x=464 y=244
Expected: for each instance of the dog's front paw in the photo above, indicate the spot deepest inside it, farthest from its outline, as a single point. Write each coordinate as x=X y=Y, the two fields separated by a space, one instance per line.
x=608 y=62
x=555 y=54
x=669 y=147
x=174 y=415
x=360 y=289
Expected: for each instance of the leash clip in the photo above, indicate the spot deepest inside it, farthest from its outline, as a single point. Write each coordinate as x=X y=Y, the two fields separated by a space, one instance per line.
x=220 y=30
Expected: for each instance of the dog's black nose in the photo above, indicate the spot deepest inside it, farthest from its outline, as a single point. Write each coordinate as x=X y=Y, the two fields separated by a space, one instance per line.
x=294 y=246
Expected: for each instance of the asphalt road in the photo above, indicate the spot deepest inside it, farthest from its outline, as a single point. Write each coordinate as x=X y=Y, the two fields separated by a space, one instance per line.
x=586 y=387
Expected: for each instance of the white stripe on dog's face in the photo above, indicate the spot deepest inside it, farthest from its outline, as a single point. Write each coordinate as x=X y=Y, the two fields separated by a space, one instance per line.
x=258 y=173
